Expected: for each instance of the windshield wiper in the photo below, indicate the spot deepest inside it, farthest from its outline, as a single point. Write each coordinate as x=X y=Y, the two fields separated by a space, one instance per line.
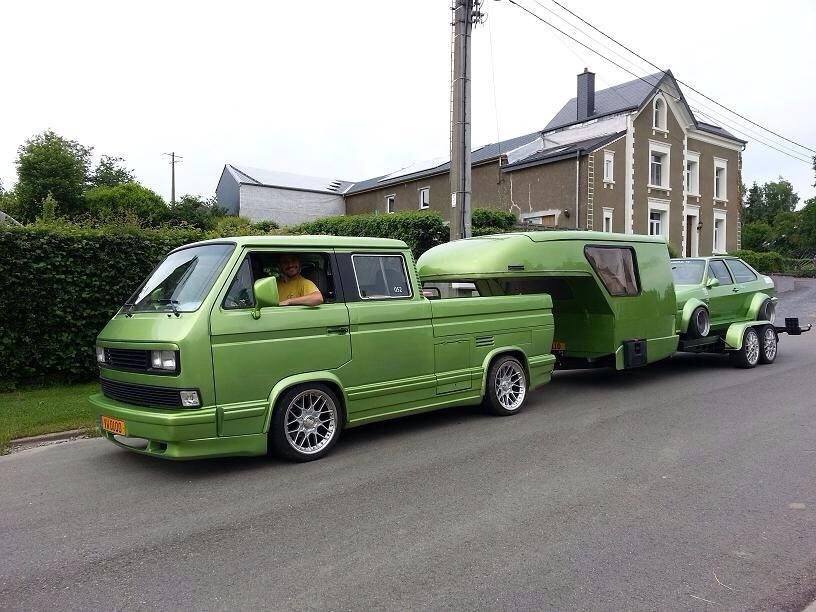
x=172 y=304
x=129 y=306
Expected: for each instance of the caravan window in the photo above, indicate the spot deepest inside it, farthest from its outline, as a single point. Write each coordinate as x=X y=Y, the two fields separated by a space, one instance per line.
x=615 y=266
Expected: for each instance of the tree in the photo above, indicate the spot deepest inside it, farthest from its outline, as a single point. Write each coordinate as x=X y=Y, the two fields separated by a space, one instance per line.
x=111 y=171
x=194 y=211
x=753 y=208
x=50 y=163
x=757 y=236
x=49 y=208
x=128 y=200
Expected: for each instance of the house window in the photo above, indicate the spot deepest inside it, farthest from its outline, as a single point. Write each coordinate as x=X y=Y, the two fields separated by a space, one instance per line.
x=659 y=114
x=659 y=218
x=609 y=167
x=607 y=219
x=659 y=161
x=720 y=178
x=693 y=173
x=390 y=203
x=719 y=231
x=424 y=198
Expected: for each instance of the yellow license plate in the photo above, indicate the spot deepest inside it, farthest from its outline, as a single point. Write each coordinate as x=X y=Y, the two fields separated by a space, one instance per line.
x=559 y=346
x=115 y=426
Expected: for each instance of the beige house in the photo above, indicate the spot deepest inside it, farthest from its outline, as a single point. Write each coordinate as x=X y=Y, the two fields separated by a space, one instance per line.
x=631 y=159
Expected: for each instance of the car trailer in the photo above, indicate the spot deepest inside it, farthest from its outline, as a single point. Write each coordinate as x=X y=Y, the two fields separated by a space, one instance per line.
x=748 y=343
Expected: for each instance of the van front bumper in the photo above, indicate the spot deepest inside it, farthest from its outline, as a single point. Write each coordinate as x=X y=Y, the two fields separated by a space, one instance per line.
x=173 y=434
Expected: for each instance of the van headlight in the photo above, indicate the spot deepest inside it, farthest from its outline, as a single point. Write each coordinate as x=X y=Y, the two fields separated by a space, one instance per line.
x=100 y=354
x=163 y=360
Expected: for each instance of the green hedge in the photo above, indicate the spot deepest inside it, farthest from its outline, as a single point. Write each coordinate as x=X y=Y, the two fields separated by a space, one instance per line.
x=420 y=230
x=59 y=286
x=771 y=262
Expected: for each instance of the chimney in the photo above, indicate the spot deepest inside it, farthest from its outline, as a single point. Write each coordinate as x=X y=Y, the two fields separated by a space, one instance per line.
x=586 y=95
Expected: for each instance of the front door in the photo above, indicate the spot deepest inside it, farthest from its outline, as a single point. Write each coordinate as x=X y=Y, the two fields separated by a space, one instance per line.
x=251 y=355
x=724 y=299
x=391 y=335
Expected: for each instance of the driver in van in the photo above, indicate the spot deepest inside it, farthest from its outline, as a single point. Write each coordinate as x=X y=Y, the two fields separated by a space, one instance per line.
x=294 y=289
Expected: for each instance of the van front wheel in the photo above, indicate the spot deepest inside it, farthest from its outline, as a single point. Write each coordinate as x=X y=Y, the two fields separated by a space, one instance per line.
x=506 y=386
x=305 y=423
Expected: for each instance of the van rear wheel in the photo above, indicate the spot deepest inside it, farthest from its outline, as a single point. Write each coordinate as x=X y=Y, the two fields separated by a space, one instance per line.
x=305 y=423
x=506 y=386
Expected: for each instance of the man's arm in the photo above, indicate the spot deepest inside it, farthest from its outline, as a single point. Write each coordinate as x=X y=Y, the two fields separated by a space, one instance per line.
x=315 y=298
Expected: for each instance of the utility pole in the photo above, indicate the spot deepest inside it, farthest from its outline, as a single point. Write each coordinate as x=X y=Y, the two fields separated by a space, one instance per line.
x=466 y=13
x=174 y=159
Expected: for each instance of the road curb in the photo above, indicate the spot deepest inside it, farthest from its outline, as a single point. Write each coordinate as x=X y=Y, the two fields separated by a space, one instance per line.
x=19 y=444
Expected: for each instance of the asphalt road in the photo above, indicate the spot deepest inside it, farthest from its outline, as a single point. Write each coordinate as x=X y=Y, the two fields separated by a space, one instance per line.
x=683 y=486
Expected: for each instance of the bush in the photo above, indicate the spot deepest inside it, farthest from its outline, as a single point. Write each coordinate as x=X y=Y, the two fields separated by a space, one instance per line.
x=420 y=230
x=767 y=263
x=757 y=236
x=59 y=286
x=129 y=199
x=497 y=221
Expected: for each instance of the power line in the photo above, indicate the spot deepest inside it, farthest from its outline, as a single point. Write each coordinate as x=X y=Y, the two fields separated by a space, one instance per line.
x=637 y=76
x=697 y=91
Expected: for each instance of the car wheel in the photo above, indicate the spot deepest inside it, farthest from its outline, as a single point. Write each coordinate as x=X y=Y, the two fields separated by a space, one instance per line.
x=767 y=312
x=506 y=386
x=305 y=423
x=768 y=349
x=700 y=323
x=748 y=355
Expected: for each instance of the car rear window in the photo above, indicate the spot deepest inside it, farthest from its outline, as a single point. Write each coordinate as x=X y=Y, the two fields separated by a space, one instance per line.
x=741 y=272
x=615 y=266
x=687 y=271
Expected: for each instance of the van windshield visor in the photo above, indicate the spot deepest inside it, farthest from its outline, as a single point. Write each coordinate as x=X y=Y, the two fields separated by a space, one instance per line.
x=687 y=271
x=181 y=281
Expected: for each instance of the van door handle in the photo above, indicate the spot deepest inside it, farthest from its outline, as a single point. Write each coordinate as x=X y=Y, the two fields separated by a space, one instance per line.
x=341 y=330
x=735 y=290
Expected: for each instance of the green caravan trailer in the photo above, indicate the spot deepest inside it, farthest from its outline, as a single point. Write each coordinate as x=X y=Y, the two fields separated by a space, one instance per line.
x=612 y=294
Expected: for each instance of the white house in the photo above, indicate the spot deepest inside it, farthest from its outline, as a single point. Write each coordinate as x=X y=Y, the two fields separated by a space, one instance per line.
x=288 y=199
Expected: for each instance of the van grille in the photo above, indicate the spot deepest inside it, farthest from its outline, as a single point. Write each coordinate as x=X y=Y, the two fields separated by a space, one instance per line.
x=141 y=395
x=127 y=359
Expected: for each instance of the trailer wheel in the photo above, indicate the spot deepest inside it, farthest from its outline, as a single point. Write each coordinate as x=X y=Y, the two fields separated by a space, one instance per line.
x=768 y=351
x=748 y=355
x=700 y=323
x=506 y=386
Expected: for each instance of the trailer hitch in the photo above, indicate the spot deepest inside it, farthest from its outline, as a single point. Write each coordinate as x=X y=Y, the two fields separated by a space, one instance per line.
x=792 y=327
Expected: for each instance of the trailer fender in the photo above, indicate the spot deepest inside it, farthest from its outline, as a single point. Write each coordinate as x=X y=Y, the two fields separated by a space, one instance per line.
x=756 y=303
x=733 y=337
x=689 y=307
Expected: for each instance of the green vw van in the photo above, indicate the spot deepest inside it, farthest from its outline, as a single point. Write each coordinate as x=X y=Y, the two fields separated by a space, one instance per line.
x=202 y=360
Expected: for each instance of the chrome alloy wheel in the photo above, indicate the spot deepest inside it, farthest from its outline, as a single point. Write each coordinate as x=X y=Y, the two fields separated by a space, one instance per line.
x=752 y=347
x=702 y=322
x=310 y=421
x=510 y=386
x=769 y=344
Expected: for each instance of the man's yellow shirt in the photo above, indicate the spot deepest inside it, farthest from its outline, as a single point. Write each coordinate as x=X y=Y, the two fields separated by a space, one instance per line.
x=295 y=287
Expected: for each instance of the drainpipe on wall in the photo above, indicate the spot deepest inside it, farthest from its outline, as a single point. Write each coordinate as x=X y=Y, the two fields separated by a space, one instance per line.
x=577 y=182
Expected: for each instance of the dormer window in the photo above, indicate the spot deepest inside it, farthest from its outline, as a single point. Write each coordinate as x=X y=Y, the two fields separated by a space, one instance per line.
x=659 y=114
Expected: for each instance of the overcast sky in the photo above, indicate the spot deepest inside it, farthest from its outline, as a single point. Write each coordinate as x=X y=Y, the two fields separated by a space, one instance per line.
x=357 y=89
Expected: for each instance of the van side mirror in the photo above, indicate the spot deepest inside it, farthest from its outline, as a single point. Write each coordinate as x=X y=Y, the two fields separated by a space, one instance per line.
x=712 y=282
x=266 y=294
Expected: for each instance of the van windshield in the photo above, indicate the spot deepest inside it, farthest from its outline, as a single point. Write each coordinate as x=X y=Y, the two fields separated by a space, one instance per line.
x=181 y=281
x=687 y=271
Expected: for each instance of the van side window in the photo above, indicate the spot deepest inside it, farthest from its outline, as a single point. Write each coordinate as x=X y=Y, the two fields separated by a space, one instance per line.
x=615 y=266
x=315 y=267
x=240 y=294
x=717 y=269
x=381 y=277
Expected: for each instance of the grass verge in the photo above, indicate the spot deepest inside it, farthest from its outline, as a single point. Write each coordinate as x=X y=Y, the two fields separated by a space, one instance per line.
x=39 y=410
